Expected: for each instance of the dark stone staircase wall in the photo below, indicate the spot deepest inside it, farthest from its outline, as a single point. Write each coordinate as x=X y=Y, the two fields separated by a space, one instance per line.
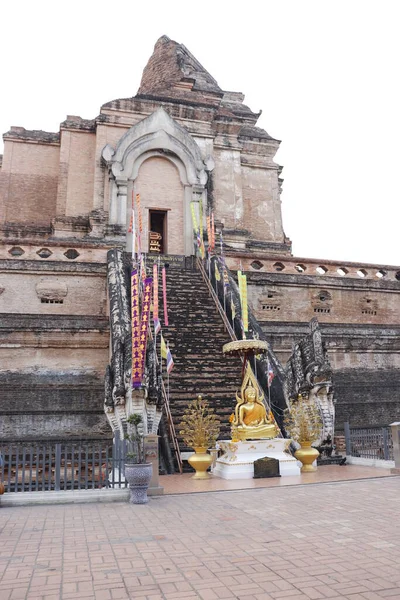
x=366 y=397
x=196 y=335
x=52 y=406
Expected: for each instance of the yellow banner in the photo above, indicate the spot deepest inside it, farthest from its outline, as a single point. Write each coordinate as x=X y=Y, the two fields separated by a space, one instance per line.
x=194 y=218
x=242 y=283
x=217 y=275
x=245 y=312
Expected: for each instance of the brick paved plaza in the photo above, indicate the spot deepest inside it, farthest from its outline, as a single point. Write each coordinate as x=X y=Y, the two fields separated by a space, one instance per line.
x=332 y=540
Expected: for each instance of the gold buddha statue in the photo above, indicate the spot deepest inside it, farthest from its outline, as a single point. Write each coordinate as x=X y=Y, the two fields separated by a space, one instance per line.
x=251 y=421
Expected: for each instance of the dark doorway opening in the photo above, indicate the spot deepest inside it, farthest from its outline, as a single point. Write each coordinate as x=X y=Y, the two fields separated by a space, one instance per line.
x=158 y=231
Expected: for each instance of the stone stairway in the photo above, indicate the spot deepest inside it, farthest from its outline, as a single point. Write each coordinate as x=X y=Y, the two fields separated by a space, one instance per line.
x=196 y=335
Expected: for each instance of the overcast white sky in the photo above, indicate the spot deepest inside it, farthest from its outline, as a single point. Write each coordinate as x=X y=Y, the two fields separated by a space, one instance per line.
x=324 y=72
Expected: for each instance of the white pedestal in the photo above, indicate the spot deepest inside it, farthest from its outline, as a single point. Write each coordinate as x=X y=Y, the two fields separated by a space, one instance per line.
x=237 y=462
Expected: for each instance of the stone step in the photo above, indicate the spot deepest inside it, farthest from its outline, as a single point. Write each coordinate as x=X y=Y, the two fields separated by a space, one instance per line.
x=196 y=335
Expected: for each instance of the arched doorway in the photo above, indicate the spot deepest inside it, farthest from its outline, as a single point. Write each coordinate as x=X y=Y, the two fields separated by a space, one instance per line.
x=162 y=201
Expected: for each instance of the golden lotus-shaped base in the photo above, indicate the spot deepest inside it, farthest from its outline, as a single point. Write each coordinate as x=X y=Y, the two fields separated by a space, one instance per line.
x=264 y=432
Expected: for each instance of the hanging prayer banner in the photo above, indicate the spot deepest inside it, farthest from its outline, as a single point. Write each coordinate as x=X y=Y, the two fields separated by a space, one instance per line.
x=136 y=354
x=245 y=312
x=201 y=231
x=209 y=232
x=163 y=348
x=201 y=218
x=170 y=361
x=212 y=232
x=233 y=309
x=156 y=320
x=164 y=284
x=226 y=278
x=194 y=218
x=144 y=324
x=271 y=374
x=166 y=355
x=143 y=267
x=239 y=274
x=217 y=275
x=140 y=222
x=202 y=249
x=131 y=228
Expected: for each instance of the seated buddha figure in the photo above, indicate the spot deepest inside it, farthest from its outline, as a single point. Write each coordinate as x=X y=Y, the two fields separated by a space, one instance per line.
x=251 y=419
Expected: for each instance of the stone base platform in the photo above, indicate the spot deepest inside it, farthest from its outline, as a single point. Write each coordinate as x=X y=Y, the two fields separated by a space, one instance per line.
x=237 y=462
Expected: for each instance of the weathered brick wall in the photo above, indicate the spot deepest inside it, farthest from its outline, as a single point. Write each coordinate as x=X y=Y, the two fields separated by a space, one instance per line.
x=227 y=180
x=161 y=69
x=76 y=173
x=366 y=367
x=262 y=207
x=52 y=405
x=84 y=295
x=367 y=397
x=28 y=182
x=300 y=297
x=159 y=186
x=105 y=134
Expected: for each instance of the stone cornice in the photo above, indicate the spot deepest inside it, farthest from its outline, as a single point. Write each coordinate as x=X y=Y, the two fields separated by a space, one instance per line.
x=300 y=280
x=34 y=266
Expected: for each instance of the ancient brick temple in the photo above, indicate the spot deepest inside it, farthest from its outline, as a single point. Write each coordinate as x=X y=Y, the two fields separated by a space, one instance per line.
x=66 y=200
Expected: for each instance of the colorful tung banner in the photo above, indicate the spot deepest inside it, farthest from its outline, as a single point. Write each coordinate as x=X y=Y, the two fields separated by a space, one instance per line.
x=136 y=354
x=209 y=232
x=164 y=285
x=139 y=213
x=201 y=218
x=212 y=232
x=156 y=319
x=140 y=223
x=144 y=324
x=131 y=228
x=194 y=218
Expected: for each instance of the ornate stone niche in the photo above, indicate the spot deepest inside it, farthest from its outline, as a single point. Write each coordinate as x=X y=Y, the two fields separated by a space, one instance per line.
x=269 y=301
x=369 y=307
x=322 y=302
x=155 y=136
x=51 y=292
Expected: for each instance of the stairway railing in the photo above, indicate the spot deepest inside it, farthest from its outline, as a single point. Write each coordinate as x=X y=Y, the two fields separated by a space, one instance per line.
x=276 y=395
x=170 y=421
x=214 y=296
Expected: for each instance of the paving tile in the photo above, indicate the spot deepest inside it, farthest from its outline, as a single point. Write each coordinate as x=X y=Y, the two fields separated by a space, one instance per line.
x=270 y=541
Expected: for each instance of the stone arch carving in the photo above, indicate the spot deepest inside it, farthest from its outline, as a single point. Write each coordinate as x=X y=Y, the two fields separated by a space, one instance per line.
x=159 y=153
x=156 y=135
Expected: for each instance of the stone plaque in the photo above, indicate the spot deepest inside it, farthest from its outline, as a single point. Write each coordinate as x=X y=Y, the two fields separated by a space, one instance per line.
x=266 y=467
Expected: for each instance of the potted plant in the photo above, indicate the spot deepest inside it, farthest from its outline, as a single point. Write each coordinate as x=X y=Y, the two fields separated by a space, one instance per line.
x=303 y=424
x=200 y=430
x=138 y=472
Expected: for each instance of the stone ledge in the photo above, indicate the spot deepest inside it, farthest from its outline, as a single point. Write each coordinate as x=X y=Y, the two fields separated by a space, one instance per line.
x=63 y=323
x=53 y=266
x=71 y=497
x=64 y=497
